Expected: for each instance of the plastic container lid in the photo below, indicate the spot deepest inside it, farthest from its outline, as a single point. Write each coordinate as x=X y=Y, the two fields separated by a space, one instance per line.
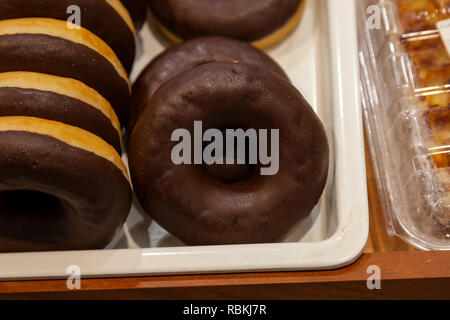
x=405 y=83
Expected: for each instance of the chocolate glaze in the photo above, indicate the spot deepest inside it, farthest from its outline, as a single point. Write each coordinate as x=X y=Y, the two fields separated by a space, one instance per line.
x=246 y=20
x=138 y=11
x=115 y=32
x=60 y=57
x=92 y=195
x=188 y=55
x=58 y=107
x=200 y=210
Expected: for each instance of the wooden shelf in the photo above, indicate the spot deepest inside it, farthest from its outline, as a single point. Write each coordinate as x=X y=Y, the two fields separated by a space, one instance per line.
x=405 y=273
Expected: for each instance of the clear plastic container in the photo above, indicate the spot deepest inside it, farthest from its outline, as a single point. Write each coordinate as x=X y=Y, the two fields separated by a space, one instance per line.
x=405 y=84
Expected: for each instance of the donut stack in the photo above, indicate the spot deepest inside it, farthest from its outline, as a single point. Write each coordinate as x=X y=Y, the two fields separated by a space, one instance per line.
x=64 y=93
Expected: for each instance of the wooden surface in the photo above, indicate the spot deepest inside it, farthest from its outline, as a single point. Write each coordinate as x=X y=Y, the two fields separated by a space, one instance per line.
x=405 y=273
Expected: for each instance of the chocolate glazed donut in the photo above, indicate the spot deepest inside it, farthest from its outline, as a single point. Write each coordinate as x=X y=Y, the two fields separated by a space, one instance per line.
x=263 y=22
x=137 y=10
x=196 y=207
x=47 y=46
x=60 y=99
x=188 y=55
x=118 y=32
x=75 y=186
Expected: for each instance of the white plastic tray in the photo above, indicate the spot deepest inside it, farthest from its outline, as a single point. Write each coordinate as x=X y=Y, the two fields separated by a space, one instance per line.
x=321 y=59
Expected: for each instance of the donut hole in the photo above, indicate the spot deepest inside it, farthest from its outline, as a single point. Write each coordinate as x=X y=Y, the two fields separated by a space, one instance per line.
x=19 y=203
x=231 y=173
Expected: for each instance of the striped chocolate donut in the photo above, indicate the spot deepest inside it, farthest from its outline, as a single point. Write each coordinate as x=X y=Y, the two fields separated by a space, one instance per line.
x=108 y=19
x=61 y=99
x=48 y=46
x=61 y=187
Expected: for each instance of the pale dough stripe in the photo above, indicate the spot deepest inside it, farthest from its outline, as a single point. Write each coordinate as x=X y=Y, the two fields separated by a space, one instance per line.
x=70 y=135
x=123 y=12
x=59 y=29
x=263 y=43
x=63 y=86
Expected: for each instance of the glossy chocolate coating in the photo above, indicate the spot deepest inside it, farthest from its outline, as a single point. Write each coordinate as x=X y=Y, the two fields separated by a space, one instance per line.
x=56 y=56
x=200 y=210
x=91 y=196
x=137 y=10
x=246 y=20
x=58 y=107
x=96 y=16
x=188 y=55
